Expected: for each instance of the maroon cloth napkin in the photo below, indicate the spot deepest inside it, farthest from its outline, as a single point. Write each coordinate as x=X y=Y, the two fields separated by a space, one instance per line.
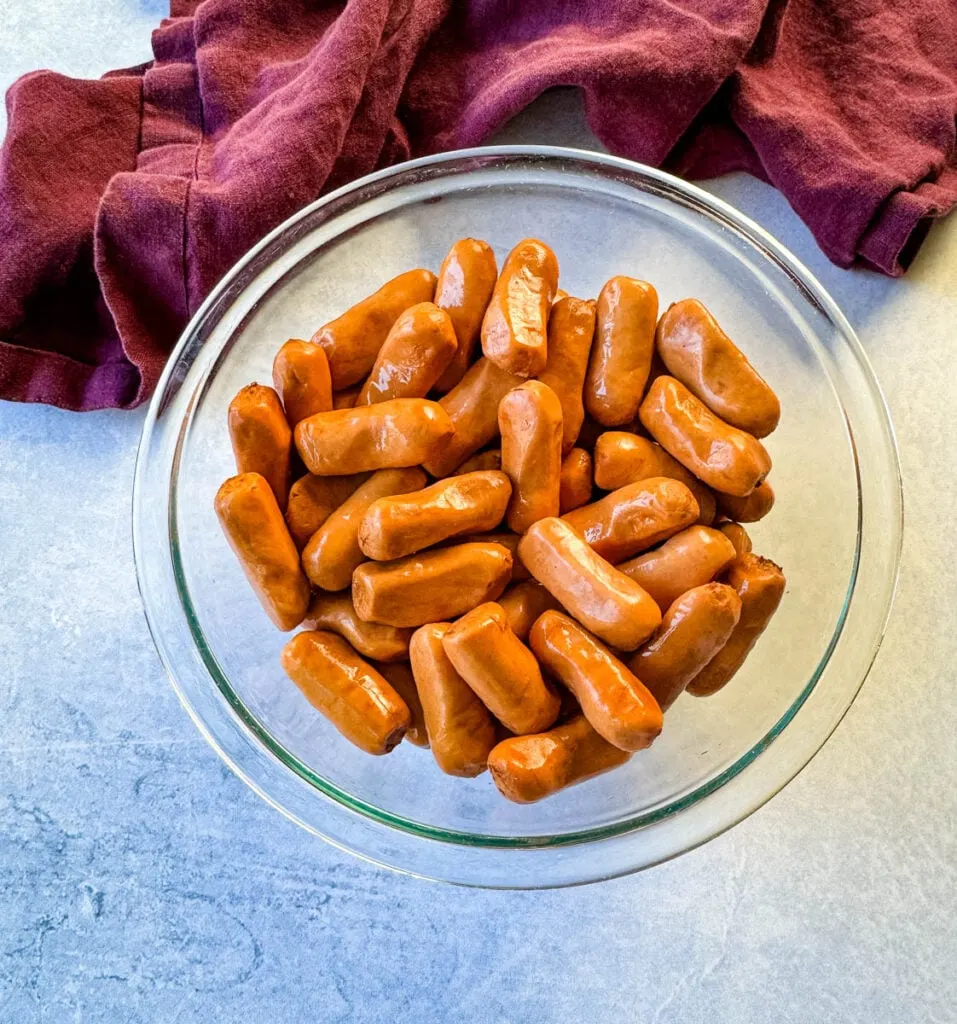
x=122 y=201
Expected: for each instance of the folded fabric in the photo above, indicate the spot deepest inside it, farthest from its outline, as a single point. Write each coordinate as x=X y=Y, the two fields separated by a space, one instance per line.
x=124 y=200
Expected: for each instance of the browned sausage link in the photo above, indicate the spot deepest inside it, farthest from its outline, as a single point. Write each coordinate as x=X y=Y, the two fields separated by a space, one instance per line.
x=491 y=459
x=576 y=481
x=334 y=612
x=635 y=517
x=725 y=458
x=358 y=701
x=418 y=348
x=515 y=323
x=689 y=559
x=571 y=327
x=390 y=435
x=346 y=398
x=738 y=536
x=530 y=422
x=312 y=499
x=622 y=349
x=530 y=768
x=751 y=508
x=523 y=603
x=699 y=354
x=419 y=589
x=466 y=279
x=256 y=531
x=501 y=670
x=507 y=540
x=300 y=373
x=398 y=526
x=472 y=406
x=461 y=732
x=400 y=677
x=615 y=702
x=760 y=585
x=695 y=627
x=605 y=600
x=352 y=341
x=333 y=551
x=261 y=438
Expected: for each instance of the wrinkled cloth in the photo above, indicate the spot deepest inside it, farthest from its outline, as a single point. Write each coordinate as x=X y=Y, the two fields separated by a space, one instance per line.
x=124 y=200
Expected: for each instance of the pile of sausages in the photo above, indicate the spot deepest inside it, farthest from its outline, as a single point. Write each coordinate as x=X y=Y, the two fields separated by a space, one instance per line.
x=502 y=614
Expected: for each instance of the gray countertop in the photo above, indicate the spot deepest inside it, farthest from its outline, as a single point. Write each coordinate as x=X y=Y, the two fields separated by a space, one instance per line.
x=142 y=881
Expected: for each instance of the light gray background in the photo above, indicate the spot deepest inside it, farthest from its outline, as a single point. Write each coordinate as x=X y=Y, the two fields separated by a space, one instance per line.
x=140 y=881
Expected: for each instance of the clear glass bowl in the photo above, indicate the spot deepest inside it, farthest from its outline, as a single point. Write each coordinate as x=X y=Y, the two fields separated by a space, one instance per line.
x=836 y=527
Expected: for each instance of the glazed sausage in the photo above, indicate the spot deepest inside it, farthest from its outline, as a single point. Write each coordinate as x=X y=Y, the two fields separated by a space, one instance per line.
x=622 y=349
x=312 y=499
x=461 y=732
x=472 y=406
x=352 y=341
x=400 y=678
x=249 y=515
x=466 y=279
x=751 y=508
x=709 y=364
x=603 y=599
x=529 y=768
x=571 y=327
x=334 y=612
x=390 y=435
x=523 y=603
x=576 y=481
x=420 y=588
x=300 y=373
x=688 y=559
x=418 y=348
x=530 y=422
x=615 y=702
x=333 y=551
x=346 y=398
x=760 y=585
x=635 y=517
x=261 y=438
x=515 y=323
x=491 y=459
x=723 y=457
x=397 y=526
x=358 y=701
x=501 y=670
x=738 y=536
x=507 y=540
x=693 y=630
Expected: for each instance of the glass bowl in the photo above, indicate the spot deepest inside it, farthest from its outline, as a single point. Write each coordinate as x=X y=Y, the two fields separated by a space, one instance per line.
x=836 y=528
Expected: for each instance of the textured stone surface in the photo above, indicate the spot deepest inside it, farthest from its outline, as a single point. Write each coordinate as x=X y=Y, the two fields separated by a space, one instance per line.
x=142 y=882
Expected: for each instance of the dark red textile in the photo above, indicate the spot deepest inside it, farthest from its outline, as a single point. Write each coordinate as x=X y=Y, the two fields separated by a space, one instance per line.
x=122 y=201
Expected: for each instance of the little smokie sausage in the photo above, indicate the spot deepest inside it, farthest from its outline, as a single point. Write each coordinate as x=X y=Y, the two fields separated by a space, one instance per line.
x=635 y=517
x=312 y=499
x=300 y=373
x=390 y=435
x=491 y=459
x=514 y=329
x=352 y=341
x=723 y=457
x=571 y=327
x=507 y=540
x=397 y=526
x=400 y=678
x=621 y=352
x=530 y=422
x=261 y=437
x=333 y=551
x=688 y=559
x=466 y=279
x=603 y=599
x=693 y=630
x=529 y=768
x=523 y=603
x=501 y=670
x=738 y=536
x=751 y=508
x=256 y=531
x=709 y=364
x=416 y=351
x=420 y=588
x=760 y=585
x=472 y=406
x=615 y=702
x=461 y=731
x=356 y=698
x=334 y=612
x=576 y=480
